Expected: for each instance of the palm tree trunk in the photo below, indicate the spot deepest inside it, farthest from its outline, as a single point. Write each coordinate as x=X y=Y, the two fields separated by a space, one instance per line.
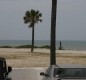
x=53 y=33
x=32 y=39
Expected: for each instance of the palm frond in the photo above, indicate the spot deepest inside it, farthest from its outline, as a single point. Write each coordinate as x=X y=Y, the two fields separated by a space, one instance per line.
x=27 y=14
x=31 y=17
x=37 y=12
x=32 y=13
x=25 y=19
x=31 y=25
x=40 y=15
x=40 y=20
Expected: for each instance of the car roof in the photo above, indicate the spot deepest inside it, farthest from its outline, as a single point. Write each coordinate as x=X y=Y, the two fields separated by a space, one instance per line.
x=69 y=66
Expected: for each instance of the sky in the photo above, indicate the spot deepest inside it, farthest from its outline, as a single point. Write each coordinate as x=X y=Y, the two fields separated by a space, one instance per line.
x=70 y=24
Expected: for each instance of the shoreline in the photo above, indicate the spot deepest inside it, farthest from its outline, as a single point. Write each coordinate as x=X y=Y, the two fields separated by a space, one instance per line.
x=44 y=50
x=38 y=47
x=23 y=58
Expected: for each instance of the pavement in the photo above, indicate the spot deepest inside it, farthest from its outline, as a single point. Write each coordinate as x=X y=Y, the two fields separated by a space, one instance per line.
x=26 y=73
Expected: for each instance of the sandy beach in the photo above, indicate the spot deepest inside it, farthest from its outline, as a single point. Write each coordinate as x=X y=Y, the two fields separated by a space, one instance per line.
x=23 y=58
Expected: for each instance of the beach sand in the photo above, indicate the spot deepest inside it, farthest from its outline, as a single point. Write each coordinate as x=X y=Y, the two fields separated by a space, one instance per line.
x=23 y=58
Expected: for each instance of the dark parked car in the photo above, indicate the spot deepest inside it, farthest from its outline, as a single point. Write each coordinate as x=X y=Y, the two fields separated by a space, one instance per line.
x=4 y=70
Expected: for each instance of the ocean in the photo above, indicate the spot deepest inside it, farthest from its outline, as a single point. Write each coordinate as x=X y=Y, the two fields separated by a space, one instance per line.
x=68 y=45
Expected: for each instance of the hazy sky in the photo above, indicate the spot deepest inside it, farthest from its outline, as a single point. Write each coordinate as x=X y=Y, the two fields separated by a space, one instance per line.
x=71 y=19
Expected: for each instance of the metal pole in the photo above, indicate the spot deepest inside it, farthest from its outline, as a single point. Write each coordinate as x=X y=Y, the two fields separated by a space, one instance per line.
x=53 y=33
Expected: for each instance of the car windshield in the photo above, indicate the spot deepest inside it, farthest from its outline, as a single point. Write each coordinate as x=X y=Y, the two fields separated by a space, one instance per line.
x=49 y=71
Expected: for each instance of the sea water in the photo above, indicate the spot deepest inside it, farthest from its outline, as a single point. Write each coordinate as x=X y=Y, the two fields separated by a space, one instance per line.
x=66 y=44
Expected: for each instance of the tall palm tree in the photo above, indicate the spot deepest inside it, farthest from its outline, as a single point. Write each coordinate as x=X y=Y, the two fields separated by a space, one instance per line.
x=53 y=33
x=32 y=17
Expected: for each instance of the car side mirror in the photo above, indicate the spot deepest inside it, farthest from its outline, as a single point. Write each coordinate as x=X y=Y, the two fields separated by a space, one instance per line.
x=9 y=69
x=42 y=74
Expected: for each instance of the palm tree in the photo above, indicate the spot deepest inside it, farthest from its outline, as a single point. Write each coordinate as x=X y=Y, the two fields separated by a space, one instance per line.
x=53 y=33
x=32 y=17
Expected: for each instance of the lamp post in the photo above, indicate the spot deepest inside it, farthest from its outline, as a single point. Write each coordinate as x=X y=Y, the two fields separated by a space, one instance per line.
x=53 y=33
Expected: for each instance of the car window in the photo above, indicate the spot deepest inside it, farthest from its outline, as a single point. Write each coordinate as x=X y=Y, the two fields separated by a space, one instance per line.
x=74 y=73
